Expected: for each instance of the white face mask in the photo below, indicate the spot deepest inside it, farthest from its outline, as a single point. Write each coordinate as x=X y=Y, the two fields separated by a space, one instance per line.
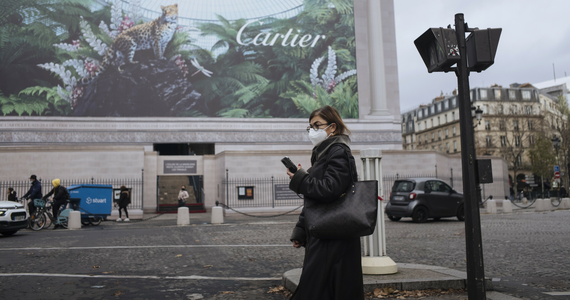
x=317 y=136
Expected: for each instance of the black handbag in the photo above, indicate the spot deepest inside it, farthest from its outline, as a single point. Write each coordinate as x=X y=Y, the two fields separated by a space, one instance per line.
x=353 y=215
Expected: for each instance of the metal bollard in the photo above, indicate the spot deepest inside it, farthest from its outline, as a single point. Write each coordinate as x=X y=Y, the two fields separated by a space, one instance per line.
x=217 y=215
x=74 y=220
x=183 y=217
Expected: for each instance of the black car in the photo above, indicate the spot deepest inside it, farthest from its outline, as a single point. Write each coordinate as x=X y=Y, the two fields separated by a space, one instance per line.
x=423 y=198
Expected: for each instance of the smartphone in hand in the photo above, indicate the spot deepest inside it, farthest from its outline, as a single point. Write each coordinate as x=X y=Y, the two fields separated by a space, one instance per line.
x=289 y=164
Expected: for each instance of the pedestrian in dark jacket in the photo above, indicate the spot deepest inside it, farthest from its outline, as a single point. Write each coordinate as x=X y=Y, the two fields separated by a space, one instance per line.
x=332 y=269
x=60 y=197
x=12 y=194
x=123 y=202
x=35 y=192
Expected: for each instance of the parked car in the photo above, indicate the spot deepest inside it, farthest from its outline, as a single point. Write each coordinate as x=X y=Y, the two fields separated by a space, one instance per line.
x=13 y=217
x=423 y=198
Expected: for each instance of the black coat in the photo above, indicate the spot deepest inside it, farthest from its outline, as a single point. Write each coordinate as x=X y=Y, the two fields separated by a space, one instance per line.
x=332 y=269
x=59 y=194
x=125 y=199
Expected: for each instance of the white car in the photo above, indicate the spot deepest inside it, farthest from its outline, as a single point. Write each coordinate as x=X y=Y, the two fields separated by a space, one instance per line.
x=13 y=217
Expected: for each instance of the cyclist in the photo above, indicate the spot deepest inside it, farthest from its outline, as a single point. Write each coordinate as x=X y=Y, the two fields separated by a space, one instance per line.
x=35 y=192
x=60 y=197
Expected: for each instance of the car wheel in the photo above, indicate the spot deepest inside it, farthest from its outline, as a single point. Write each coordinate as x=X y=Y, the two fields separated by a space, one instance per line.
x=9 y=233
x=420 y=215
x=392 y=218
x=461 y=213
x=437 y=219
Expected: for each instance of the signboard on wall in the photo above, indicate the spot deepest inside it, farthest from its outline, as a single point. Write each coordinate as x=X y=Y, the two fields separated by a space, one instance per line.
x=179 y=167
x=224 y=58
x=282 y=192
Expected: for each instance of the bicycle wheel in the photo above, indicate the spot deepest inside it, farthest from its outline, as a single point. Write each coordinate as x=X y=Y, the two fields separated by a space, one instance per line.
x=96 y=221
x=63 y=223
x=37 y=221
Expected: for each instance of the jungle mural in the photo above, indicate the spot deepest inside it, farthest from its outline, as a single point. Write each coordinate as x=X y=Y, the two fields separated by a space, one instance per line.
x=76 y=58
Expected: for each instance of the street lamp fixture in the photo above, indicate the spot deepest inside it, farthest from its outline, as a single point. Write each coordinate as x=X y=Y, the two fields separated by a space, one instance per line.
x=477 y=113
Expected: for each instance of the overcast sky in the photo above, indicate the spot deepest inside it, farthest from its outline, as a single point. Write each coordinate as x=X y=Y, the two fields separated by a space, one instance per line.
x=535 y=35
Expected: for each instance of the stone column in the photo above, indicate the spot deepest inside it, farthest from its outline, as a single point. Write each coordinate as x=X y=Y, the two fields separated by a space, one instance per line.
x=376 y=58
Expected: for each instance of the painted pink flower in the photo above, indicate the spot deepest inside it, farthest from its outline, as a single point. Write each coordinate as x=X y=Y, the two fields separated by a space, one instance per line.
x=125 y=24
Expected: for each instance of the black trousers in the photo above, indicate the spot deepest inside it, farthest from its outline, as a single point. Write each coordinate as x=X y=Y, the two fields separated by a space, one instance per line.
x=126 y=212
x=31 y=207
x=56 y=206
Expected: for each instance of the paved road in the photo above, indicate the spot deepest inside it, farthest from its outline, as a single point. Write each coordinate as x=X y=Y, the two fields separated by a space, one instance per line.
x=245 y=258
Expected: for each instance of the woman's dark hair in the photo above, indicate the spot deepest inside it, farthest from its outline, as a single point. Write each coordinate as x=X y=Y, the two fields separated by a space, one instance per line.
x=124 y=188
x=331 y=115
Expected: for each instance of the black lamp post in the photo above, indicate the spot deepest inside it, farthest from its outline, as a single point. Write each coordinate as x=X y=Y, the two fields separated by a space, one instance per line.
x=556 y=143
x=441 y=48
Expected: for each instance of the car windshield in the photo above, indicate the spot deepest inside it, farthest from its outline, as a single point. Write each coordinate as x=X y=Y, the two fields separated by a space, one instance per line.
x=403 y=186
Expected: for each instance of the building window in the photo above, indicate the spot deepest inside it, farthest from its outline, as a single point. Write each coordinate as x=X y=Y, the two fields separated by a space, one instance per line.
x=529 y=124
x=531 y=139
x=502 y=125
x=453 y=130
x=439 y=135
x=447 y=147
x=500 y=109
x=438 y=122
x=528 y=110
x=432 y=136
x=439 y=107
x=483 y=94
x=453 y=116
x=453 y=102
x=439 y=147
x=497 y=94
x=420 y=139
x=425 y=125
x=445 y=118
x=454 y=146
x=426 y=137
x=432 y=122
x=514 y=109
x=485 y=109
x=512 y=95
x=489 y=141
x=445 y=104
x=503 y=141
x=519 y=160
x=517 y=141
x=432 y=147
x=425 y=112
x=419 y=126
x=420 y=113
x=526 y=95
x=446 y=132
x=487 y=125
x=516 y=125
x=433 y=109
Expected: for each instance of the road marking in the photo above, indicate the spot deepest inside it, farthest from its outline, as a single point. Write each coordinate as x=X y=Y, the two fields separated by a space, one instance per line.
x=191 y=277
x=139 y=247
x=558 y=293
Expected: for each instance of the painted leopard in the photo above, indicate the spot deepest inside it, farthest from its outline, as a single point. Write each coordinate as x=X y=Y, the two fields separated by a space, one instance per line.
x=155 y=34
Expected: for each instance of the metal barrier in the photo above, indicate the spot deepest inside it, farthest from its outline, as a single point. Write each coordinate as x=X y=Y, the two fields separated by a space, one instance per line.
x=263 y=192
x=22 y=186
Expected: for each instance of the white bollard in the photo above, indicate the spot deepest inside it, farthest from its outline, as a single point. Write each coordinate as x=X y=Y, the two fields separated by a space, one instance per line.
x=491 y=207
x=565 y=203
x=507 y=206
x=74 y=220
x=548 y=204
x=217 y=215
x=183 y=216
x=539 y=205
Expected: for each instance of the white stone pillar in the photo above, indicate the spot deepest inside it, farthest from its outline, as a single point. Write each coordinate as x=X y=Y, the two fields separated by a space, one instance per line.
x=217 y=215
x=378 y=96
x=507 y=206
x=491 y=207
x=565 y=203
x=539 y=205
x=375 y=260
x=183 y=217
x=74 y=220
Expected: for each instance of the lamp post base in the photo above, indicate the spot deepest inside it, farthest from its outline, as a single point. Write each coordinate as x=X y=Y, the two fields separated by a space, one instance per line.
x=378 y=265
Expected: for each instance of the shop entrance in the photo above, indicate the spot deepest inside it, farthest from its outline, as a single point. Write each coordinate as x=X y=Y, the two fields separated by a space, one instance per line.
x=168 y=187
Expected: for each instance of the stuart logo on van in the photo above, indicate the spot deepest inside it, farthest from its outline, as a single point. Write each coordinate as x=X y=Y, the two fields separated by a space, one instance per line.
x=90 y=200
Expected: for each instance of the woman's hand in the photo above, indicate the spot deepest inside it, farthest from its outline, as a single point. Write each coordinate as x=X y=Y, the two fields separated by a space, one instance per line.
x=292 y=174
x=296 y=244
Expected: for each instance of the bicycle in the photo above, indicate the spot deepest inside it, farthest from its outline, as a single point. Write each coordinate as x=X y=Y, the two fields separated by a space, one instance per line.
x=42 y=215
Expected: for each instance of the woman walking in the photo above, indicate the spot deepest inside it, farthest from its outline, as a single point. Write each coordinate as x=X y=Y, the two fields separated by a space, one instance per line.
x=182 y=196
x=124 y=201
x=332 y=268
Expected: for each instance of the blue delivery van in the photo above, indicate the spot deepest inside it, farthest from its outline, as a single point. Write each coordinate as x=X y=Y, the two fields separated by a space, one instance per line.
x=95 y=201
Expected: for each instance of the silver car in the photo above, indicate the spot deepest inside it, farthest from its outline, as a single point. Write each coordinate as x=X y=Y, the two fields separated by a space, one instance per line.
x=423 y=198
x=13 y=217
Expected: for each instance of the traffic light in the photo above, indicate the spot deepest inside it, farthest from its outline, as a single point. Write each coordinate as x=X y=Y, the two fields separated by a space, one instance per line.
x=481 y=48
x=438 y=48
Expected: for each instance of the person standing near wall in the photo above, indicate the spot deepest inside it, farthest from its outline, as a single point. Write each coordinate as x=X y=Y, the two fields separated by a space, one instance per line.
x=12 y=194
x=35 y=192
x=60 y=197
x=182 y=197
x=123 y=202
